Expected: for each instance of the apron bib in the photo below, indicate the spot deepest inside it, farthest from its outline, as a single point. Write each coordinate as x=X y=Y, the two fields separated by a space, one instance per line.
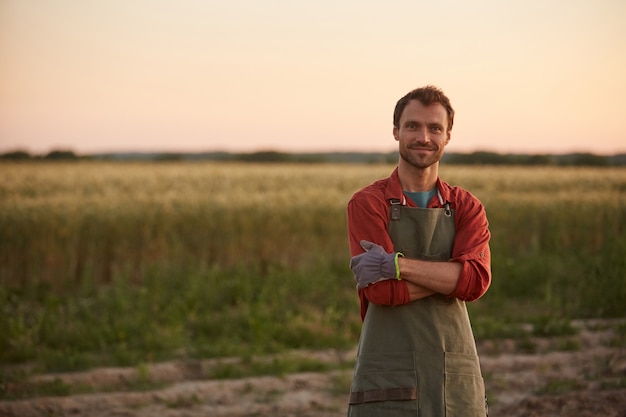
x=418 y=359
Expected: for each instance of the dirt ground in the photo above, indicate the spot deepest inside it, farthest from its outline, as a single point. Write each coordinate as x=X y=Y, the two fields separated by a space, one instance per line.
x=572 y=376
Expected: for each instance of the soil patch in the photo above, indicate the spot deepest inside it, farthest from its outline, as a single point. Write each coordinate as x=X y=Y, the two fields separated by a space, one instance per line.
x=570 y=376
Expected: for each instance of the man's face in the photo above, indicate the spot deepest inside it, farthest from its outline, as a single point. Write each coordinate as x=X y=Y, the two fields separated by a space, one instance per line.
x=423 y=133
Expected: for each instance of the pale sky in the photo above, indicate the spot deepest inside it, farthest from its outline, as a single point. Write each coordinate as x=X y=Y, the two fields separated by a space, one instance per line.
x=242 y=75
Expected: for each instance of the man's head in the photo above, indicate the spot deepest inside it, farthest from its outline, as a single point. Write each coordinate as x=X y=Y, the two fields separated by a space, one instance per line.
x=427 y=96
x=422 y=122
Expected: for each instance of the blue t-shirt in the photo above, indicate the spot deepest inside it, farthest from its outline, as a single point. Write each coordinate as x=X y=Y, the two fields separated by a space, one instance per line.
x=421 y=198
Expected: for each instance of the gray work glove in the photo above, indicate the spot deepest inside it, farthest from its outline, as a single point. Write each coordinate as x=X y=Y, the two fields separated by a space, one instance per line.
x=373 y=265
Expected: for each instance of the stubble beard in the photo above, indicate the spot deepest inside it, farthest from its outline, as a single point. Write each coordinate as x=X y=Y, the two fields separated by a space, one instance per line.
x=421 y=162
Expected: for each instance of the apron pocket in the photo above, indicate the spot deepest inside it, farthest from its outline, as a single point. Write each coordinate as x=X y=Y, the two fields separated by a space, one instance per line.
x=464 y=386
x=383 y=386
x=380 y=378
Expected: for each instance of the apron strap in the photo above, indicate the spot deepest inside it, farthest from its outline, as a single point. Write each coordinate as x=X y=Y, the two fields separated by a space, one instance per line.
x=447 y=210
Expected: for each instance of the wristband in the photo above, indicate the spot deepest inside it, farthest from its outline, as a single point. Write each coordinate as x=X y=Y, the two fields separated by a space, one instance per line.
x=395 y=261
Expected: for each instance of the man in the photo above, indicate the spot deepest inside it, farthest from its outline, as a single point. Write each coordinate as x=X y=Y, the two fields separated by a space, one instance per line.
x=420 y=249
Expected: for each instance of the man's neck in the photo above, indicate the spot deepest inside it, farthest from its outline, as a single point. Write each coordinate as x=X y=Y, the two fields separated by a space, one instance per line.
x=415 y=179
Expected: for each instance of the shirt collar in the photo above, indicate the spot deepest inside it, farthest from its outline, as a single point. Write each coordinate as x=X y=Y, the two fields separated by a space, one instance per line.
x=394 y=190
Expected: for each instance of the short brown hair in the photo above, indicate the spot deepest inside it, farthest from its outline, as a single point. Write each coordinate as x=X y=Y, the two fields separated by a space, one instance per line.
x=426 y=95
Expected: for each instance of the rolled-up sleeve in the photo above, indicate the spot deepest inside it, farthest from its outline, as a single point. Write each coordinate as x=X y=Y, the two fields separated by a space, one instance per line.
x=471 y=250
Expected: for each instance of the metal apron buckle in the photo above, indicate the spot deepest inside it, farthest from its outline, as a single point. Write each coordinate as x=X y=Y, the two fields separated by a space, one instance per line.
x=395 y=208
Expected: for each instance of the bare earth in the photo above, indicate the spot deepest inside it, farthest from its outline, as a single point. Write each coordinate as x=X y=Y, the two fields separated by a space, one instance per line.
x=574 y=376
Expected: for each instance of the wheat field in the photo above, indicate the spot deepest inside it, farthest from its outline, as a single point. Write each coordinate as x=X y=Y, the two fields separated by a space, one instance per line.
x=117 y=263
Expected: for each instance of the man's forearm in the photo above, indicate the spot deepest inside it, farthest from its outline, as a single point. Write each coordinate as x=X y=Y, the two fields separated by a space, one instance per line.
x=417 y=292
x=438 y=277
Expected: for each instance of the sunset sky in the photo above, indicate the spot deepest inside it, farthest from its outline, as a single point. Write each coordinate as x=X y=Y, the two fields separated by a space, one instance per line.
x=242 y=75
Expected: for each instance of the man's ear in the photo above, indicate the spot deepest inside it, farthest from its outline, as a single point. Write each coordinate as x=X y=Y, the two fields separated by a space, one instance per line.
x=447 y=137
x=396 y=136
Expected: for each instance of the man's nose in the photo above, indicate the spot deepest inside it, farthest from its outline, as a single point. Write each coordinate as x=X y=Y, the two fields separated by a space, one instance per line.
x=422 y=136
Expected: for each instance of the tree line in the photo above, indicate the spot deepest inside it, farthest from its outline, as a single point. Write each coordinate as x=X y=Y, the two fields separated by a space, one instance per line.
x=270 y=156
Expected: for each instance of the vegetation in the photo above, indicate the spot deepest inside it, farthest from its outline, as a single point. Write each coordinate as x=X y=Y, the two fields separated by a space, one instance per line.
x=107 y=263
x=269 y=156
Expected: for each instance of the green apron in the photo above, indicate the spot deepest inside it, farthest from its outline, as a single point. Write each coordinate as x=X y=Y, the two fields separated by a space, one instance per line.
x=418 y=359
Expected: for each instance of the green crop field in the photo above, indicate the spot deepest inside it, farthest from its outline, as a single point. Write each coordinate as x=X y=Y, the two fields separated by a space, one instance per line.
x=129 y=263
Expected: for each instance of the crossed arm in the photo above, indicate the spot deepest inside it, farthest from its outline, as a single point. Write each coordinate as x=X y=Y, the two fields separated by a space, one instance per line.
x=425 y=278
x=421 y=278
x=466 y=276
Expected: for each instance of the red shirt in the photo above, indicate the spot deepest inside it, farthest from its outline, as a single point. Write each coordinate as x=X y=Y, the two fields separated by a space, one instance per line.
x=368 y=219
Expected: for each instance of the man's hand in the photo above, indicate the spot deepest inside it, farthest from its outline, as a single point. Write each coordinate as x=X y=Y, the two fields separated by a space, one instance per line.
x=373 y=265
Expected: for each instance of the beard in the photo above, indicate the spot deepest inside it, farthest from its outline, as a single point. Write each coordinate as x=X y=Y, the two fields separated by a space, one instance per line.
x=421 y=161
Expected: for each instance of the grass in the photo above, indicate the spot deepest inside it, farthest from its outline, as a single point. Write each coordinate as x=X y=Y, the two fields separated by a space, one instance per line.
x=559 y=386
x=105 y=264
x=275 y=366
x=17 y=386
x=620 y=336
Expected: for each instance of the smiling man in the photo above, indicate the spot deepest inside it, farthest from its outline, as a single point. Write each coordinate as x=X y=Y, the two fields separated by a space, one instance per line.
x=420 y=249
